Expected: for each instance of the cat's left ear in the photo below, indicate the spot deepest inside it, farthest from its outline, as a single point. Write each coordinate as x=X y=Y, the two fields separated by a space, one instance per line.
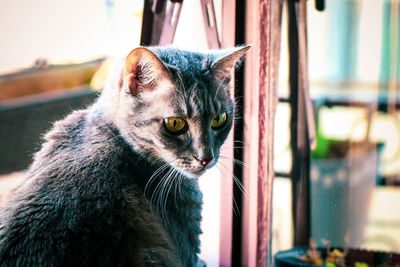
x=144 y=71
x=224 y=66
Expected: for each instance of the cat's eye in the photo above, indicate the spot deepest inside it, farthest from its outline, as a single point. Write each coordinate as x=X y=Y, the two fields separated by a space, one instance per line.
x=175 y=125
x=218 y=121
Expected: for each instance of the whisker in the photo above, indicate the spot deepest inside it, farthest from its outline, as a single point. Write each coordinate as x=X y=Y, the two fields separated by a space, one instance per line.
x=181 y=178
x=236 y=210
x=219 y=86
x=234 y=146
x=238 y=162
x=155 y=174
x=169 y=186
x=159 y=207
x=183 y=86
x=164 y=195
x=231 y=147
x=237 y=182
x=238 y=141
x=176 y=183
x=158 y=188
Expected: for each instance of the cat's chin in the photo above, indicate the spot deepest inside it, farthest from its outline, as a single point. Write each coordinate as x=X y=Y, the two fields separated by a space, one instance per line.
x=193 y=174
x=199 y=173
x=196 y=173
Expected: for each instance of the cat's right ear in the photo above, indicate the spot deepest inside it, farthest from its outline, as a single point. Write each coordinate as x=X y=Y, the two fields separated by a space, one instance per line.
x=224 y=66
x=144 y=71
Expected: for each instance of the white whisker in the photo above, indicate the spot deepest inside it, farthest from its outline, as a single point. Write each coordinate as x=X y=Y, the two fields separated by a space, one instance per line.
x=237 y=182
x=169 y=186
x=224 y=148
x=159 y=188
x=238 y=162
x=236 y=209
x=219 y=86
x=164 y=195
x=156 y=173
x=235 y=206
x=176 y=182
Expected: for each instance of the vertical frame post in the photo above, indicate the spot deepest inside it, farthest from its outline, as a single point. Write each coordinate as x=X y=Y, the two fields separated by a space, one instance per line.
x=227 y=187
x=300 y=142
x=263 y=29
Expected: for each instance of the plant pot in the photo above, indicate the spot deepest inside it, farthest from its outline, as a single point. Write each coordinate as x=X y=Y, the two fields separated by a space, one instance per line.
x=341 y=190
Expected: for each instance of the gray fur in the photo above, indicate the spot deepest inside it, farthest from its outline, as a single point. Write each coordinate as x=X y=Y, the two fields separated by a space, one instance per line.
x=110 y=187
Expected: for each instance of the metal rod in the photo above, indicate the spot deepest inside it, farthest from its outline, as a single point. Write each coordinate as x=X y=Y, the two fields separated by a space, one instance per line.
x=299 y=135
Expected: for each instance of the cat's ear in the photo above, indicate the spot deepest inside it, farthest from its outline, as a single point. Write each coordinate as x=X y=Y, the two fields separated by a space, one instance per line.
x=224 y=66
x=144 y=71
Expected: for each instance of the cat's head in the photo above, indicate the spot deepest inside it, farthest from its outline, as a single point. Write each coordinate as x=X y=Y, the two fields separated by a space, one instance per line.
x=176 y=106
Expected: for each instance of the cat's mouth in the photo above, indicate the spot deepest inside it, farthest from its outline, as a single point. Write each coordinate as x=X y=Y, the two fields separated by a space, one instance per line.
x=192 y=172
x=192 y=169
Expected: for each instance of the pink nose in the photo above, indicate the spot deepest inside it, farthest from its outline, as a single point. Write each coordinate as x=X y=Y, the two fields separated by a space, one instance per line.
x=205 y=162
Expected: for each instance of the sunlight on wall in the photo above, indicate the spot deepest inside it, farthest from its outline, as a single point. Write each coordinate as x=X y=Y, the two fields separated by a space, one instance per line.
x=343 y=123
x=316 y=27
x=66 y=30
x=369 y=52
x=283 y=156
x=386 y=129
x=282 y=219
x=383 y=231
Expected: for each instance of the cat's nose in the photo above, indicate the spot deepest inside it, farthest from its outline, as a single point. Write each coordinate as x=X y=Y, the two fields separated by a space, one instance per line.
x=205 y=162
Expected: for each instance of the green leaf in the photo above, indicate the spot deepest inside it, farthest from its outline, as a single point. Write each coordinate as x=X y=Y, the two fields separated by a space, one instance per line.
x=361 y=264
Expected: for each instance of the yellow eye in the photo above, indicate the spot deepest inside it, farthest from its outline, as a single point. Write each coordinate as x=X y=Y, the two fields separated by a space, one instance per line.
x=218 y=121
x=174 y=124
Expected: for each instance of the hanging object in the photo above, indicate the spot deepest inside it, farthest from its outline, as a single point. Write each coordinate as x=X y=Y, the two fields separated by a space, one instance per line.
x=170 y=22
x=160 y=19
x=210 y=24
x=303 y=69
x=320 y=5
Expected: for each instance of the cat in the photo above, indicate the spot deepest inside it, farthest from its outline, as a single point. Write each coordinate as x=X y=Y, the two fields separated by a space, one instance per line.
x=116 y=184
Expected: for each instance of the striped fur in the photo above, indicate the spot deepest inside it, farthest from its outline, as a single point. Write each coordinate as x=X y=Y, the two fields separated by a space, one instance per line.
x=110 y=186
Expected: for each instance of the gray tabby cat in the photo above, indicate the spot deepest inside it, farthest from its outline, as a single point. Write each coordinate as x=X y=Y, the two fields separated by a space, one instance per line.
x=116 y=184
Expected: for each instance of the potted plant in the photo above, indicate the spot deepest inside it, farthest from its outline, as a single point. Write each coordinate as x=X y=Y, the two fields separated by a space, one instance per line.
x=313 y=256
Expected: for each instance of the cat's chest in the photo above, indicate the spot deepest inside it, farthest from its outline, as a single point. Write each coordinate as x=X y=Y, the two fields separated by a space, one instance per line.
x=181 y=219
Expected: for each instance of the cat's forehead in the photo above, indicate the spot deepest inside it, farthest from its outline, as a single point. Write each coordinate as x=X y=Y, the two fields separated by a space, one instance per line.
x=199 y=100
x=184 y=61
x=196 y=91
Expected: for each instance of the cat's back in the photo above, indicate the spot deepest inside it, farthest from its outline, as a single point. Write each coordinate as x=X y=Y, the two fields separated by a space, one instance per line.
x=82 y=158
x=74 y=201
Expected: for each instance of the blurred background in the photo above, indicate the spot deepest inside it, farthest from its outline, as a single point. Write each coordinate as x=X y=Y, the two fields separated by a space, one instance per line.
x=353 y=56
x=55 y=56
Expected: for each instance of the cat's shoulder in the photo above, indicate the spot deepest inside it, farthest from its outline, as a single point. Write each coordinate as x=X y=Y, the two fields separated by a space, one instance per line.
x=67 y=127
